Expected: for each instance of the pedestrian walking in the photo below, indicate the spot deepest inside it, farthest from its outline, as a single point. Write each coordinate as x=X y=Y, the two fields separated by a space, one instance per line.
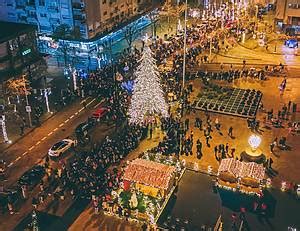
x=24 y=191
x=230 y=130
x=207 y=140
x=34 y=203
x=186 y=124
x=10 y=206
x=22 y=127
x=216 y=150
x=150 y=132
x=270 y=163
x=226 y=148
x=272 y=147
x=232 y=152
x=217 y=124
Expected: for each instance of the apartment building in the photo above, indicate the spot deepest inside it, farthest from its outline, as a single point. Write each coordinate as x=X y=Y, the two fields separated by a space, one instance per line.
x=18 y=51
x=288 y=14
x=90 y=16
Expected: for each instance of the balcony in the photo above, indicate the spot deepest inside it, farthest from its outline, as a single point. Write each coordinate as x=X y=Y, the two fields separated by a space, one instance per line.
x=20 y=7
x=78 y=5
x=81 y=18
x=53 y=8
x=22 y=18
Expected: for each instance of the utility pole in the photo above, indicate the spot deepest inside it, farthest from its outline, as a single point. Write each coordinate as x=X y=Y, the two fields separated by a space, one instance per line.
x=184 y=47
x=108 y=46
x=28 y=108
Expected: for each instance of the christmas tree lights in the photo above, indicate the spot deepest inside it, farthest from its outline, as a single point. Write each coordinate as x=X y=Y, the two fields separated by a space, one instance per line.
x=148 y=98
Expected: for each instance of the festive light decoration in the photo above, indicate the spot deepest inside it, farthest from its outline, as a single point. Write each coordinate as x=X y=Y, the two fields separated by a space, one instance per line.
x=283 y=186
x=241 y=169
x=269 y=183
x=148 y=98
x=254 y=141
x=74 y=76
x=209 y=169
x=35 y=225
x=4 y=132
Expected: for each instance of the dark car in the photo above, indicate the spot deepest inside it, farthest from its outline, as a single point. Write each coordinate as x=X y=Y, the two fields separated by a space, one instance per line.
x=12 y=194
x=33 y=176
x=84 y=127
x=291 y=43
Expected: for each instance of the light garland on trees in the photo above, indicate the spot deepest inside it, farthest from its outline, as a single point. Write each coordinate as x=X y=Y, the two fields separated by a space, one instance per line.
x=4 y=132
x=148 y=98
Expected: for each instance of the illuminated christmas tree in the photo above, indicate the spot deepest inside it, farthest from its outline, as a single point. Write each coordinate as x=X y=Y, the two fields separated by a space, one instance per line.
x=147 y=98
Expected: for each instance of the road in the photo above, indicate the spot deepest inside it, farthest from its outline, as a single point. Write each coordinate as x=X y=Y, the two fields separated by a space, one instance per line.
x=33 y=148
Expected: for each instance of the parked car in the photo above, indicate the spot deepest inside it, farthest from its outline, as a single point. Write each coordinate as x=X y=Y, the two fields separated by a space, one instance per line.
x=60 y=147
x=100 y=112
x=83 y=128
x=33 y=176
x=12 y=194
x=291 y=43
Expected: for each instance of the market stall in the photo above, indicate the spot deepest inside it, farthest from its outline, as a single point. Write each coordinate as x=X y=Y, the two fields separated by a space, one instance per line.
x=243 y=176
x=149 y=177
x=145 y=188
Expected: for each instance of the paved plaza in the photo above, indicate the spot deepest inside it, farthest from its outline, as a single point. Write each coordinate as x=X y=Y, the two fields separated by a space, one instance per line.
x=285 y=162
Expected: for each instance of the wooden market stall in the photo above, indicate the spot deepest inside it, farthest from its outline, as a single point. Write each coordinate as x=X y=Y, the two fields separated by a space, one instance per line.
x=149 y=177
x=245 y=176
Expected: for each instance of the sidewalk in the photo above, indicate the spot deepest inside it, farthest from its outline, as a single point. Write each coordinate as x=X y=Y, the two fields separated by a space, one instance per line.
x=57 y=82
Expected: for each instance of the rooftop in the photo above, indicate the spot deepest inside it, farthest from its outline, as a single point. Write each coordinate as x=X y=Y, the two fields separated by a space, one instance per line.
x=149 y=173
x=11 y=30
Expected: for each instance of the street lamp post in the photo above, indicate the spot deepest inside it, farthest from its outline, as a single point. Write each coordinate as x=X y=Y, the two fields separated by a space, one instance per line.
x=184 y=47
x=210 y=48
x=28 y=108
x=46 y=92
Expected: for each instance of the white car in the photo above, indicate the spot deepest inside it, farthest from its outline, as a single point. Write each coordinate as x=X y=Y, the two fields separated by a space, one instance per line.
x=61 y=147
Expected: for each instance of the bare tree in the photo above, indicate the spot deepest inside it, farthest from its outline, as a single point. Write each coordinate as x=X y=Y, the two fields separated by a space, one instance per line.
x=14 y=87
x=130 y=34
x=172 y=10
x=62 y=33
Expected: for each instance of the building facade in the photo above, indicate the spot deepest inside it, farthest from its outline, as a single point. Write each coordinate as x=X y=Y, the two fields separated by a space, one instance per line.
x=18 y=51
x=91 y=17
x=288 y=14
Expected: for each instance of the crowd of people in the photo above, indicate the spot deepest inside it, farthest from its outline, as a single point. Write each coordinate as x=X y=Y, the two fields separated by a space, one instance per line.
x=90 y=175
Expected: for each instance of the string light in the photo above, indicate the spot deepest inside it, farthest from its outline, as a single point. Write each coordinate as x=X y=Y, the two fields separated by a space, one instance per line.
x=148 y=98
x=4 y=132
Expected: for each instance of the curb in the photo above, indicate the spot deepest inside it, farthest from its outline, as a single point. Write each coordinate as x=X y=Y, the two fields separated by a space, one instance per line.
x=234 y=57
x=269 y=41
x=30 y=131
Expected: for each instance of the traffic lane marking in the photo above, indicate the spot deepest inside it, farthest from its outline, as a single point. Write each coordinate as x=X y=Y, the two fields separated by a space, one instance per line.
x=82 y=101
x=99 y=103
x=18 y=159
x=32 y=147
x=49 y=134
